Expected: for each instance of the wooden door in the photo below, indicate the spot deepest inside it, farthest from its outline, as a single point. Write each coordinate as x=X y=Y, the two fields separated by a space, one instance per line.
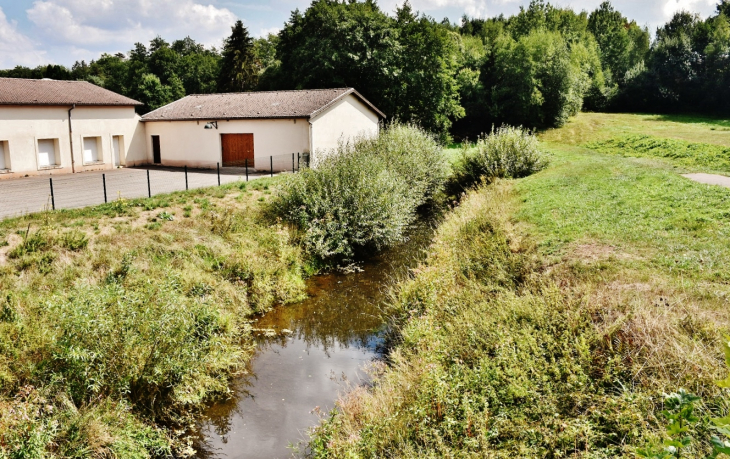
x=237 y=148
x=156 y=153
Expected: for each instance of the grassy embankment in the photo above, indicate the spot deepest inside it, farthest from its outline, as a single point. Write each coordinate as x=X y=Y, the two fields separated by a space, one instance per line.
x=118 y=322
x=554 y=311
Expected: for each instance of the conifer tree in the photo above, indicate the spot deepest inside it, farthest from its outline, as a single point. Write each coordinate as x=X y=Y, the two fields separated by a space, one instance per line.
x=239 y=67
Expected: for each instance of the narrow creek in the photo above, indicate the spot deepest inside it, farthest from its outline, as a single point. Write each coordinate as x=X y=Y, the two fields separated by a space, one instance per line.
x=320 y=348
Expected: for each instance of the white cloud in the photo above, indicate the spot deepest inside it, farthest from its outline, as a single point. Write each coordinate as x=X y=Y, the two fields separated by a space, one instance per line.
x=16 y=48
x=99 y=24
x=264 y=32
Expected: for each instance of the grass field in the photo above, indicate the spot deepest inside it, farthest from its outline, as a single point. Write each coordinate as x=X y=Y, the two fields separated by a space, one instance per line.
x=118 y=322
x=554 y=312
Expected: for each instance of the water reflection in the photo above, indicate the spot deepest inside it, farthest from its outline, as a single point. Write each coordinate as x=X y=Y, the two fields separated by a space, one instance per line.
x=319 y=347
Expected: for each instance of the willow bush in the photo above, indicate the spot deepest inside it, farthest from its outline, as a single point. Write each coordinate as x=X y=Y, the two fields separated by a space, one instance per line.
x=508 y=152
x=363 y=194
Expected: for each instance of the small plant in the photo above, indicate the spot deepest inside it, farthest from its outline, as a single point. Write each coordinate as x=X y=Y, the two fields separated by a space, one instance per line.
x=73 y=240
x=166 y=216
x=32 y=242
x=680 y=414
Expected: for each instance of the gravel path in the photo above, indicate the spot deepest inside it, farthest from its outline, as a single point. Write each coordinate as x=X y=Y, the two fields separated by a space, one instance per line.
x=710 y=179
x=33 y=194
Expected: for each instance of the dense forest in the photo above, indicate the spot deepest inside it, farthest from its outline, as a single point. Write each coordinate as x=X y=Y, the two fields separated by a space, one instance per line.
x=535 y=68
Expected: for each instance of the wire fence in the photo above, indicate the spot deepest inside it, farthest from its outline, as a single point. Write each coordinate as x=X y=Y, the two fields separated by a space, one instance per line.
x=70 y=191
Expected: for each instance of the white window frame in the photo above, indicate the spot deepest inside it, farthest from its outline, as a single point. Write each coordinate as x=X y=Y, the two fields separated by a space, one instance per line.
x=6 y=157
x=56 y=153
x=99 y=150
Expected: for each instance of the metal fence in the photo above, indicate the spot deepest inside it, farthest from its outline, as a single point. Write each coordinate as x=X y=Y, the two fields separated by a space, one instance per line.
x=68 y=191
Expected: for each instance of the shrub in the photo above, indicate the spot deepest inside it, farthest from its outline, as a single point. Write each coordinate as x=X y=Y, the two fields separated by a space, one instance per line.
x=508 y=152
x=364 y=193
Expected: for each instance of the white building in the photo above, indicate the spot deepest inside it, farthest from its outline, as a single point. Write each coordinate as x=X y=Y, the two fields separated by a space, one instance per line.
x=49 y=126
x=255 y=127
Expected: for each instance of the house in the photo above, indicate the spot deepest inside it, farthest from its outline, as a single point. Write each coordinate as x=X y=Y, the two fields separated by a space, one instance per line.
x=49 y=126
x=256 y=128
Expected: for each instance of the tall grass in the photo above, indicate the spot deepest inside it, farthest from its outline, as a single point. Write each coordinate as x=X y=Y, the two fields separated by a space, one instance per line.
x=114 y=334
x=507 y=152
x=492 y=361
x=363 y=194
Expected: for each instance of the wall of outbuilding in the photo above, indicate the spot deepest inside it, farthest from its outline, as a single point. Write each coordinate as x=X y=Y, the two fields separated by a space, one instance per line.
x=344 y=120
x=189 y=143
x=22 y=126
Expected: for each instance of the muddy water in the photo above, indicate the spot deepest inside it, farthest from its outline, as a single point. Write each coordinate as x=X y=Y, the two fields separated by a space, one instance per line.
x=320 y=348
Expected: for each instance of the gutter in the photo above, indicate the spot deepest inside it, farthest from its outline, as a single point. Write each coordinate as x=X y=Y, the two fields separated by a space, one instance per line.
x=71 y=140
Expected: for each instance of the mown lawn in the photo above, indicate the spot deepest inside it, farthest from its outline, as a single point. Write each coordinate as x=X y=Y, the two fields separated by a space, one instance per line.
x=555 y=311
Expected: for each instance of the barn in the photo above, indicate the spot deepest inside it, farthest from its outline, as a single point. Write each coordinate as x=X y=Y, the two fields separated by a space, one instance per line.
x=49 y=126
x=260 y=129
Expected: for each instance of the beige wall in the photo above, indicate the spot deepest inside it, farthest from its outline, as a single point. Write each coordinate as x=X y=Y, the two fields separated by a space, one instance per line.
x=346 y=119
x=22 y=126
x=188 y=143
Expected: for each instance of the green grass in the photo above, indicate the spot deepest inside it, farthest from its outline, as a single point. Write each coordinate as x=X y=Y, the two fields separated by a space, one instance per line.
x=119 y=322
x=555 y=311
x=690 y=156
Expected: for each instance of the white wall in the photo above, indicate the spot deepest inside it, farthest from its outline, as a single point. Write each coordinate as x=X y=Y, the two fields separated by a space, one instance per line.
x=346 y=119
x=189 y=143
x=22 y=126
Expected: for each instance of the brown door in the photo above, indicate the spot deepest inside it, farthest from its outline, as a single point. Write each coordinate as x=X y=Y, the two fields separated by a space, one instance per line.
x=237 y=148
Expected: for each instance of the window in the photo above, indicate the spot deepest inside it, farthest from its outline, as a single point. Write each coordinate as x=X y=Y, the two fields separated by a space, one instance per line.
x=91 y=150
x=117 y=150
x=47 y=153
x=4 y=156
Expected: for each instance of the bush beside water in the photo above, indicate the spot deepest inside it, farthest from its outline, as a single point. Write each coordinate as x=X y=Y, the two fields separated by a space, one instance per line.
x=508 y=152
x=363 y=194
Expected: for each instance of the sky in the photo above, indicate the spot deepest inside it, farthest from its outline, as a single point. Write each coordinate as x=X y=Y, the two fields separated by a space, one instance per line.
x=35 y=32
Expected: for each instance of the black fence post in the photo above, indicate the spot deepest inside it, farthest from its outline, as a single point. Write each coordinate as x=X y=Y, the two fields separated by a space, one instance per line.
x=292 y=163
x=103 y=180
x=53 y=198
x=271 y=165
x=246 y=169
x=298 y=159
x=186 y=177
x=218 y=168
x=149 y=188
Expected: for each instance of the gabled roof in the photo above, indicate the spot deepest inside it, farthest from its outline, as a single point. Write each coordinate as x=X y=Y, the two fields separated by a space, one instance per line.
x=253 y=105
x=21 y=91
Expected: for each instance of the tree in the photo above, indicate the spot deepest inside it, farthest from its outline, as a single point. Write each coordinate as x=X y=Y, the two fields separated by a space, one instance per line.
x=609 y=27
x=535 y=81
x=239 y=68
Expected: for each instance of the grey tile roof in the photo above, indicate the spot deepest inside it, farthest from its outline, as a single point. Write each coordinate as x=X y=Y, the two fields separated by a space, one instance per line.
x=253 y=105
x=21 y=91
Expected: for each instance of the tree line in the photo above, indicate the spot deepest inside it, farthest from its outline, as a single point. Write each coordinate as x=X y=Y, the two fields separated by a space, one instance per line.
x=535 y=68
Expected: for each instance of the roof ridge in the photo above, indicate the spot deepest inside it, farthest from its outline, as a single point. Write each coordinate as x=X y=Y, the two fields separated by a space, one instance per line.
x=270 y=91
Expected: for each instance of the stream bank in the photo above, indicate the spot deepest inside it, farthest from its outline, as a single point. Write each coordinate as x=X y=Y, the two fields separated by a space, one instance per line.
x=314 y=350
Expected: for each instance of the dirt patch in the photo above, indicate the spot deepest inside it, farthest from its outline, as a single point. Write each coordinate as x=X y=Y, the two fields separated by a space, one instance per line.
x=594 y=252
x=14 y=240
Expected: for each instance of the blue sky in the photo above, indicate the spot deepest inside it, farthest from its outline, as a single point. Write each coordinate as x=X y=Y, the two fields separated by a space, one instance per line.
x=34 y=32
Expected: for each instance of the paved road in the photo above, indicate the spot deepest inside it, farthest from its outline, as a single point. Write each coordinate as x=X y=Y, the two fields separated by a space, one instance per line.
x=710 y=179
x=33 y=194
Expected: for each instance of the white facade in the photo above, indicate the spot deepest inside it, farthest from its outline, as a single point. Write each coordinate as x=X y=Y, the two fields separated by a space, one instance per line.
x=344 y=120
x=189 y=143
x=35 y=139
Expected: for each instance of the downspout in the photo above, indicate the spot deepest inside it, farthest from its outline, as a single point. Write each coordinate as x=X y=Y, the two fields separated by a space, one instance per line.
x=71 y=139
x=311 y=142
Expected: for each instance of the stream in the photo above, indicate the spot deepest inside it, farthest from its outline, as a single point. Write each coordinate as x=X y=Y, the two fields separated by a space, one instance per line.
x=320 y=349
